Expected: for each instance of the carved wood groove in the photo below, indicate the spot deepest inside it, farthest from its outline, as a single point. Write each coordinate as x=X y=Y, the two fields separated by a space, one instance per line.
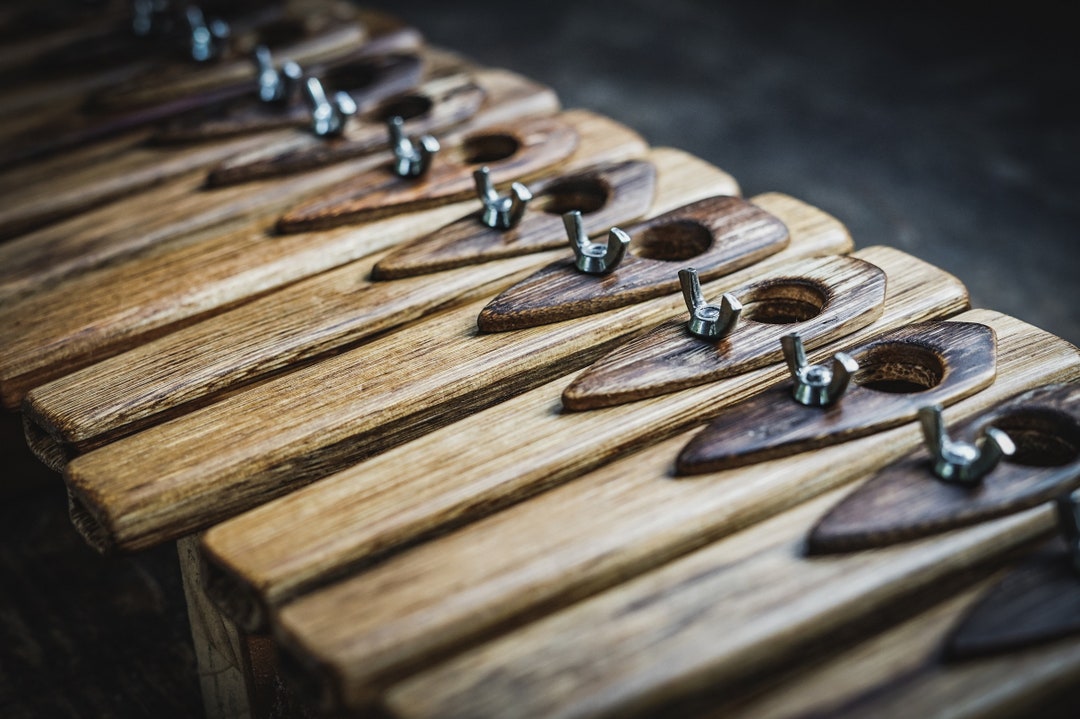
x=606 y=196
x=511 y=152
x=901 y=371
x=449 y=101
x=905 y=501
x=368 y=80
x=822 y=302
x=719 y=235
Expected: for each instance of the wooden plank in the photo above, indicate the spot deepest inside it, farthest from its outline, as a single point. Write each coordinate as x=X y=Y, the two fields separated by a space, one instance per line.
x=624 y=519
x=174 y=213
x=733 y=610
x=221 y=459
x=47 y=334
x=198 y=364
x=444 y=479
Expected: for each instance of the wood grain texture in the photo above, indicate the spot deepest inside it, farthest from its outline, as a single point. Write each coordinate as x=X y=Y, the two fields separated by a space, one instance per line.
x=707 y=622
x=445 y=479
x=516 y=151
x=449 y=101
x=47 y=334
x=606 y=195
x=220 y=653
x=900 y=372
x=1037 y=602
x=366 y=79
x=621 y=520
x=906 y=501
x=823 y=302
x=718 y=234
x=312 y=318
x=333 y=414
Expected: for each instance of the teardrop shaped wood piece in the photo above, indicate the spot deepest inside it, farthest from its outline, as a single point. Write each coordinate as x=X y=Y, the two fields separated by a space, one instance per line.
x=606 y=195
x=905 y=501
x=718 y=235
x=367 y=80
x=433 y=107
x=822 y=299
x=511 y=152
x=1037 y=602
x=925 y=363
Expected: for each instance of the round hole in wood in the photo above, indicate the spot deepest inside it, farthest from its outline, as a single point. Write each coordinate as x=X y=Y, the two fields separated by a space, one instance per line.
x=675 y=241
x=783 y=301
x=279 y=32
x=586 y=194
x=1043 y=438
x=899 y=368
x=480 y=149
x=405 y=107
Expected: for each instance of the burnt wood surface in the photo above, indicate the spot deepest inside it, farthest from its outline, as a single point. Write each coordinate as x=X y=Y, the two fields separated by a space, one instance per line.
x=900 y=371
x=718 y=234
x=906 y=501
x=822 y=302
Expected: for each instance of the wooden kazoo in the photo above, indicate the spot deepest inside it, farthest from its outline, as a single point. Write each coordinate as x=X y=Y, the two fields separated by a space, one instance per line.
x=528 y=447
x=906 y=500
x=621 y=520
x=437 y=106
x=898 y=372
x=366 y=79
x=377 y=403
x=606 y=195
x=515 y=151
x=297 y=324
x=45 y=257
x=164 y=95
x=719 y=234
x=825 y=301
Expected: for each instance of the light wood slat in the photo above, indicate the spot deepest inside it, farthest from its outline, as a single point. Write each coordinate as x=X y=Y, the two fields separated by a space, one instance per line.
x=223 y=459
x=603 y=657
x=50 y=334
x=176 y=211
x=620 y=520
x=492 y=459
x=898 y=672
x=150 y=382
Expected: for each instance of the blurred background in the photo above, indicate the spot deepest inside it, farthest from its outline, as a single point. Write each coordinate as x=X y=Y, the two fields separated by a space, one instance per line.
x=951 y=135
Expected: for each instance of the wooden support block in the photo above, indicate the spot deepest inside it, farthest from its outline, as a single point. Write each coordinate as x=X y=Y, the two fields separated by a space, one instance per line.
x=222 y=459
x=488 y=461
x=196 y=365
x=174 y=213
x=621 y=520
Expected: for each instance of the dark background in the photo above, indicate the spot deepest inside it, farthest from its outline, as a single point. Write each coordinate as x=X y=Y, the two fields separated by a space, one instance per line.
x=950 y=134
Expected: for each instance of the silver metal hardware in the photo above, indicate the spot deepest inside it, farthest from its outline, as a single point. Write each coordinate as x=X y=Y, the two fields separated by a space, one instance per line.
x=962 y=462
x=276 y=86
x=594 y=258
x=411 y=159
x=206 y=39
x=817 y=385
x=708 y=321
x=328 y=117
x=500 y=212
